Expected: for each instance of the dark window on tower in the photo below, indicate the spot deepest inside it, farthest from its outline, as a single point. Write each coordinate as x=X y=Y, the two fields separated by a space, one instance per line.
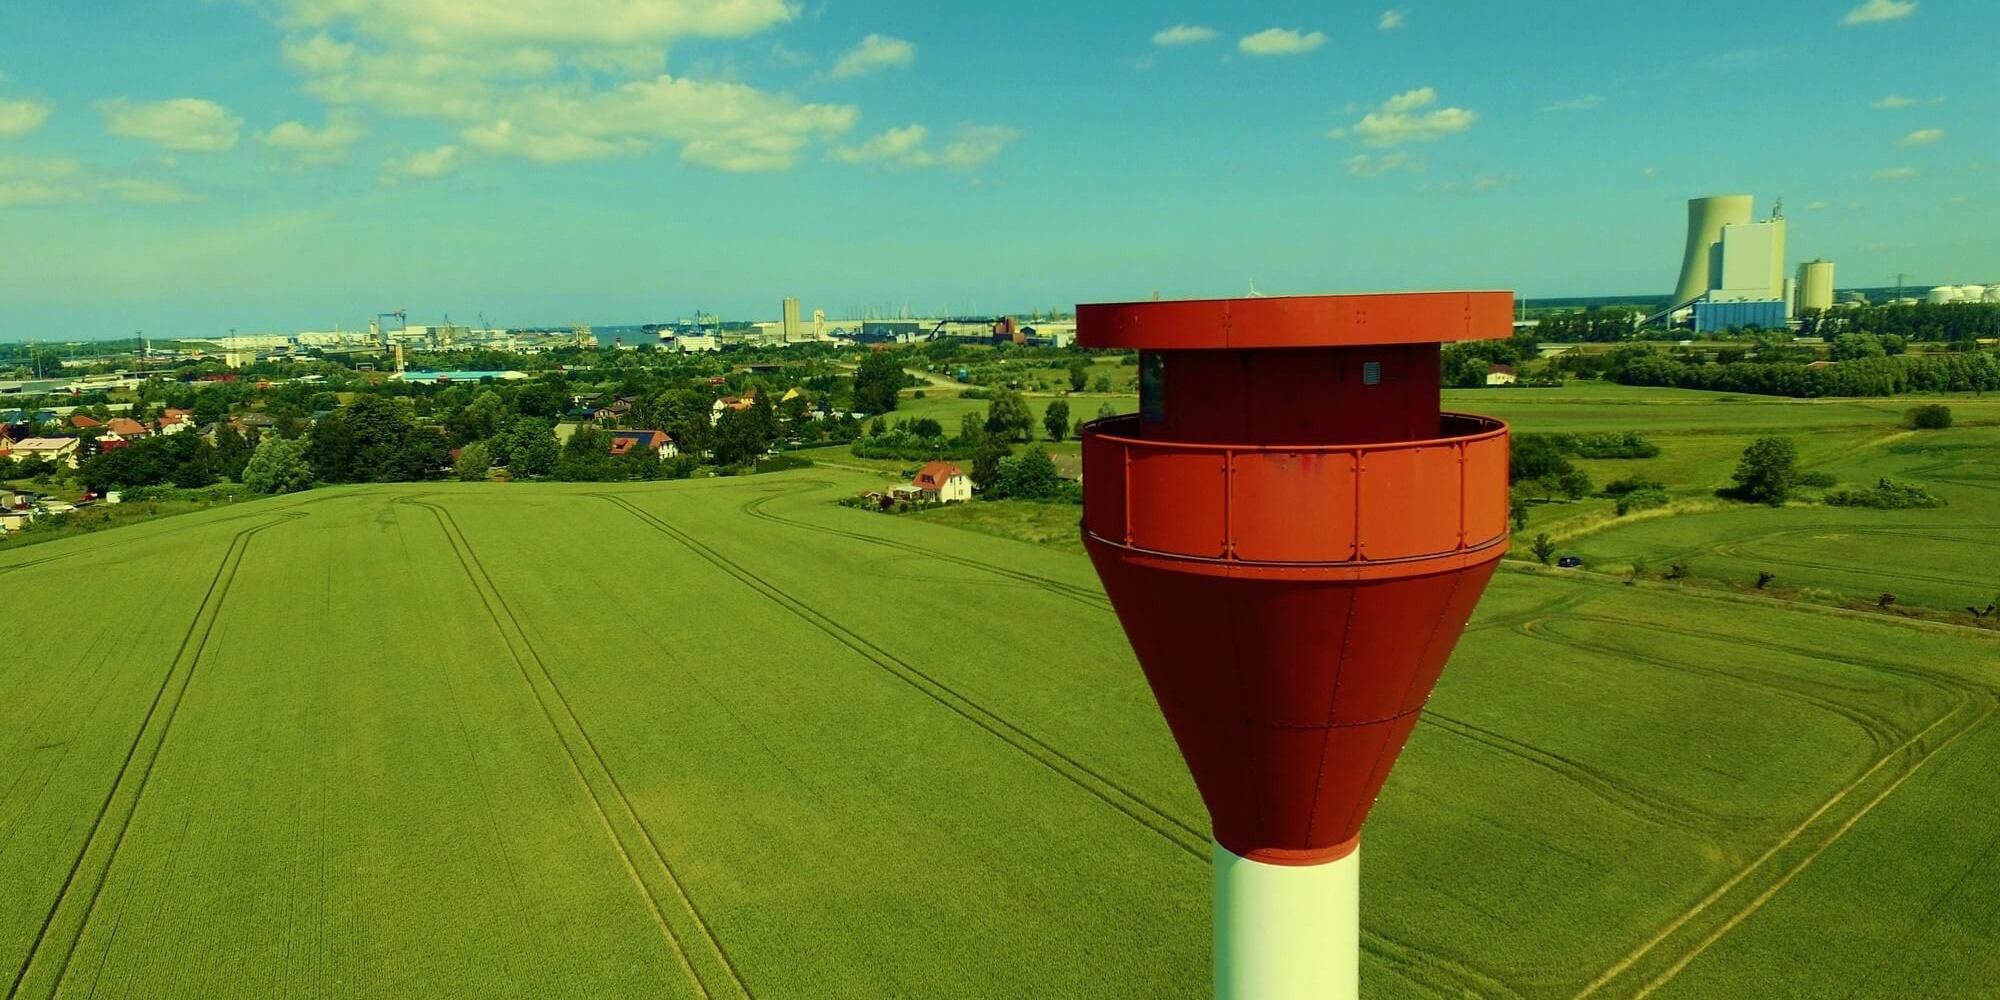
x=1371 y=373
x=1153 y=386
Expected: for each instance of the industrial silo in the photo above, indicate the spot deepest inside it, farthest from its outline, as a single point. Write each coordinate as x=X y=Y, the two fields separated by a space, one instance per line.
x=1944 y=294
x=1992 y=293
x=1706 y=217
x=1816 y=285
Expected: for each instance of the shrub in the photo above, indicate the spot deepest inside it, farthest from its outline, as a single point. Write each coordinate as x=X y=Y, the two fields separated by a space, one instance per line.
x=1642 y=499
x=1931 y=417
x=1620 y=487
x=1887 y=494
x=1630 y=444
x=1544 y=549
x=1818 y=480
x=1769 y=471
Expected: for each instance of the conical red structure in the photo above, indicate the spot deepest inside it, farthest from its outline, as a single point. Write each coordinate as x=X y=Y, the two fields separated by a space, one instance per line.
x=1294 y=536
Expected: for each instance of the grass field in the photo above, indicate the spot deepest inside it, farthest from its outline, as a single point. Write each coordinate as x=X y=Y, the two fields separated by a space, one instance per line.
x=724 y=739
x=1946 y=559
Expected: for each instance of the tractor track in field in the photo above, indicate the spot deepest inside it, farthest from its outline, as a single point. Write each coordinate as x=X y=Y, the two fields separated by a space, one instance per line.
x=1695 y=950
x=1622 y=795
x=1746 y=549
x=1168 y=827
x=168 y=695
x=1424 y=969
x=1881 y=734
x=584 y=756
x=1803 y=652
x=1093 y=599
x=1967 y=697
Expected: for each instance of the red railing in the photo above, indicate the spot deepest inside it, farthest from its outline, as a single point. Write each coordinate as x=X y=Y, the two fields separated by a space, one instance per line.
x=1311 y=505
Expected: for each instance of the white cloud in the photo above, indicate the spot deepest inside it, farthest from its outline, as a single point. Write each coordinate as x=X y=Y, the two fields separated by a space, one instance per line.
x=560 y=145
x=1408 y=117
x=557 y=81
x=455 y=24
x=148 y=191
x=1392 y=19
x=1880 y=10
x=1586 y=102
x=318 y=146
x=971 y=147
x=1364 y=165
x=186 y=124
x=876 y=52
x=29 y=181
x=1896 y=174
x=1281 y=42
x=1892 y=102
x=1183 y=34
x=32 y=180
x=1650 y=172
x=318 y=54
x=1817 y=206
x=428 y=163
x=18 y=118
x=1922 y=137
x=1487 y=182
x=897 y=145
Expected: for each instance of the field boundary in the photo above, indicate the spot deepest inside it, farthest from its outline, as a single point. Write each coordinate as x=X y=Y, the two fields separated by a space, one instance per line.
x=1082 y=595
x=120 y=804
x=1169 y=827
x=586 y=762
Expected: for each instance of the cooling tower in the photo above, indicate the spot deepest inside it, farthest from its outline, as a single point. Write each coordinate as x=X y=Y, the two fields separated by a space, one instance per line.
x=1706 y=217
x=1816 y=285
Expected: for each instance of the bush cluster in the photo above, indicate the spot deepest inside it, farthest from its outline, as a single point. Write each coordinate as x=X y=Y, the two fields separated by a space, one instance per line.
x=1931 y=417
x=1647 y=498
x=1887 y=494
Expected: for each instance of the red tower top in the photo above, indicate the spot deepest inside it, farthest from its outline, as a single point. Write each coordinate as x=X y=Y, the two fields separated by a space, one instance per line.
x=1294 y=536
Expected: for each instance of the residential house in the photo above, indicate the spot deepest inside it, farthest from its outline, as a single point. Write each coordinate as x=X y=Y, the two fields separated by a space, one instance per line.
x=728 y=403
x=640 y=442
x=84 y=421
x=943 y=482
x=54 y=450
x=1502 y=375
x=174 y=422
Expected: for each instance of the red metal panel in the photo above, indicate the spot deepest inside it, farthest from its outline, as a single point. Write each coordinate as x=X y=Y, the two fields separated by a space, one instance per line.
x=1298 y=321
x=1409 y=503
x=1485 y=490
x=1104 y=493
x=1177 y=501
x=1393 y=620
x=1450 y=624
x=1341 y=795
x=1294 y=506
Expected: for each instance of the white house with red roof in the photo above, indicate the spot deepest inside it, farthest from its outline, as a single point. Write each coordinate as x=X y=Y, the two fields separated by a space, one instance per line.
x=175 y=422
x=943 y=482
x=125 y=429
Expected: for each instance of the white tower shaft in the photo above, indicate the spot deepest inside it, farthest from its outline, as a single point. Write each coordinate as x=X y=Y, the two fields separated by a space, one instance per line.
x=1286 y=932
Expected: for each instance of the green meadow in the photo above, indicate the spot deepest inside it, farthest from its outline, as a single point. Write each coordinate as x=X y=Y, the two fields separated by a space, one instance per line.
x=723 y=738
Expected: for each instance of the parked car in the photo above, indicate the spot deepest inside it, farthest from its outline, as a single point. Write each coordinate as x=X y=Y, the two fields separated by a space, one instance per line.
x=1570 y=562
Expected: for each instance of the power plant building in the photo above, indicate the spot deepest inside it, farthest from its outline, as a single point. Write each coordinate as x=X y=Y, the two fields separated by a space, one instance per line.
x=1733 y=261
x=792 y=331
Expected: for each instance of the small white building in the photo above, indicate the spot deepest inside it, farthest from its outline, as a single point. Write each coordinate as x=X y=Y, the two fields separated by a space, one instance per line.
x=1502 y=375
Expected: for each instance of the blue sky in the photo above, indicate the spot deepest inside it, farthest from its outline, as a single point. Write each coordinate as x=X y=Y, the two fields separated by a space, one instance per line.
x=189 y=166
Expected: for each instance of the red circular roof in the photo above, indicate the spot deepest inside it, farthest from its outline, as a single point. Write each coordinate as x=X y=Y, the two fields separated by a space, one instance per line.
x=1298 y=321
